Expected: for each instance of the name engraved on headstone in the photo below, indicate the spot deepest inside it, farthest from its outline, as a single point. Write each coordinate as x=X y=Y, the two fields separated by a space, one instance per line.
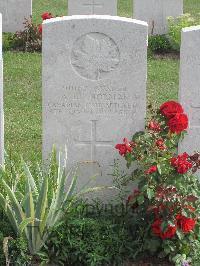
x=100 y=101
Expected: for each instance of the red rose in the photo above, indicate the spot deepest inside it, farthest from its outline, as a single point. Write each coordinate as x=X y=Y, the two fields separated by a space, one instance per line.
x=169 y=232
x=185 y=224
x=178 y=123
x=151 y=170
x=125 y=147
x=154 y=126
x=46 y=15
x=156 y=227
x=160 y=144
x=181 y=163
x=40 y=28
x=171 y=108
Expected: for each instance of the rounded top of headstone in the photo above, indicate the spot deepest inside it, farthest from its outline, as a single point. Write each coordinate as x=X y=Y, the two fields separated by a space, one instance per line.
x=95 y=17
x=192 y=28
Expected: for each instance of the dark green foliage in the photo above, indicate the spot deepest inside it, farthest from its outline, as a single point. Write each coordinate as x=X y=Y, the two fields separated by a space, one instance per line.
x=177 y=24
x=159 y=44
x=5 y=231
x=18 y=252
x=102 y=239
x=172 y=41
x=8 y=41
x=28 y=40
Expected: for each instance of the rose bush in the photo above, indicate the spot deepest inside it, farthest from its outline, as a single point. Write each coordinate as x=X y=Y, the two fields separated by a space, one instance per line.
x=44 y=16
x=167 y=199
x=29 y=39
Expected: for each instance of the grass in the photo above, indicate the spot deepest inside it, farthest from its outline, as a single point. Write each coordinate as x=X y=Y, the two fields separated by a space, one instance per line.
x=192 y=6
x=59 y=8
x=56 y=7
x=125 y=7
x=22 y=95
x=22 y=84
x=163 y=80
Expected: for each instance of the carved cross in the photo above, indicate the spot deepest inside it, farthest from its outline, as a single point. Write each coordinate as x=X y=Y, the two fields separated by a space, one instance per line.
x=94 y=143
x=93 y=5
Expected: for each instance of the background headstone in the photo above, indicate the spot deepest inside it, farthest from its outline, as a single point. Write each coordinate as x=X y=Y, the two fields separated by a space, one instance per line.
x=156 y=12
x=13 y=14
x=94 y=87
x=1 y=98
x=92 y=7
x=190 y=86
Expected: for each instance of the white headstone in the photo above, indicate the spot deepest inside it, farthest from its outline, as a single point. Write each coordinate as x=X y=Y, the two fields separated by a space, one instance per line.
x=1 y=98
x=94 y=87
x=190 y=86
x=156 y=12
x=92 y=7
x=14 y=13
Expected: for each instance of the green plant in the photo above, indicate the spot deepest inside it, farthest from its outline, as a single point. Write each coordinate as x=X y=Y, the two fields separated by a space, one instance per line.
x=95 y=237
x=5 y=231
x=16 y=251
x=159 y=44
x=168 y=194
x=28 y=40
x=7 y=41
x=176 y=25
x=34 y=204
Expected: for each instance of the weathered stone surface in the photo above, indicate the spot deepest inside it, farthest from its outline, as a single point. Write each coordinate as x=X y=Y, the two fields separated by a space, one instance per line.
x=156 y=12
x=1 y=98
x=92 y=7
x=190 y=86
x=13 y=14
x=94 y=87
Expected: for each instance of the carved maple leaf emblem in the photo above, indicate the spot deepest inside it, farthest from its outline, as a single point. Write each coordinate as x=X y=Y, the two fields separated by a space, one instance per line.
x=95 y=55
